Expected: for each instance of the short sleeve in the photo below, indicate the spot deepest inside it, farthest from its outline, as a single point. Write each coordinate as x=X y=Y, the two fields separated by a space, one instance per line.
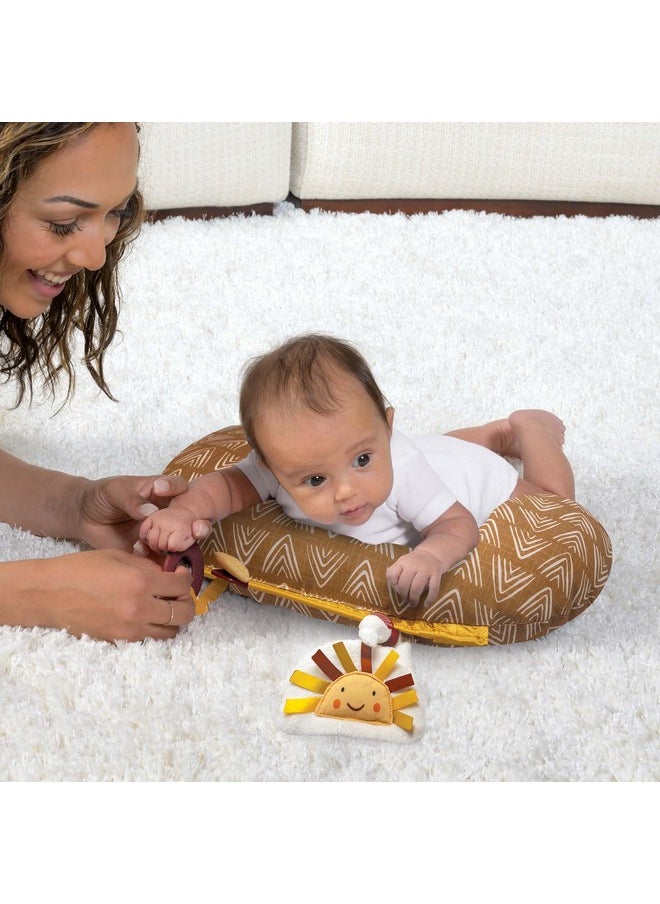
x=261 y=478
x=419 y=493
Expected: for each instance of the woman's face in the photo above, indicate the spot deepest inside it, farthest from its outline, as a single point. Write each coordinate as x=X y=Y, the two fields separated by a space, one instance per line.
x=65 y=215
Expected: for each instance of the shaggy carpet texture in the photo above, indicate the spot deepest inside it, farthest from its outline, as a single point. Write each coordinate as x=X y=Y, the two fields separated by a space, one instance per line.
x=464 y=318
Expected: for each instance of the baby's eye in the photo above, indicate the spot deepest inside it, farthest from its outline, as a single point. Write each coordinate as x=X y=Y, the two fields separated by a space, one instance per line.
x=362 y=460
x=314 y=481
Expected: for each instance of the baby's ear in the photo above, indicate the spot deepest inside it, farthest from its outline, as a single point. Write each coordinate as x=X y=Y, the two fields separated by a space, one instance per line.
x=389 y=414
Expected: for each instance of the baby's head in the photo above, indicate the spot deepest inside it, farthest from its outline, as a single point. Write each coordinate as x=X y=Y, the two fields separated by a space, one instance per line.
x=311 y=372
x=315 y=415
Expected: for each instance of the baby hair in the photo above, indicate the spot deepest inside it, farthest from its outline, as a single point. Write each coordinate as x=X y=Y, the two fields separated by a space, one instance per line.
x=308 y=372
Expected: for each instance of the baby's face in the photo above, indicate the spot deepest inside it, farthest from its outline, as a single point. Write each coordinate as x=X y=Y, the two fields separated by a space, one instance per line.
x=337 y=467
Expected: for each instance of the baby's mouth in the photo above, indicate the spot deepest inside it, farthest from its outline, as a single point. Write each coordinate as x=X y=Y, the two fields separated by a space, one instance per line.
x=354 y=512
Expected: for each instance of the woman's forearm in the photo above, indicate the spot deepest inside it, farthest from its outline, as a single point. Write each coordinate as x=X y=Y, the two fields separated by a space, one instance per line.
x=24 y=594
x=109 y=594
x=39 y=500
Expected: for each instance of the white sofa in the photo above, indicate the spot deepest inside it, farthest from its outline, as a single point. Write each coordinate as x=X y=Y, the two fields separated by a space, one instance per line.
x=214 y=164
x=215 y=168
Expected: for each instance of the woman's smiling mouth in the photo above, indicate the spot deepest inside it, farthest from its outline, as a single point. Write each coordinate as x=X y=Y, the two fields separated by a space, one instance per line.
x=46 y=283
x=52 y=279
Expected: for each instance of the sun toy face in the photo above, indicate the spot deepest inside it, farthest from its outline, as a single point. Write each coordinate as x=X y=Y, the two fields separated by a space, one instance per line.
x=357 y=696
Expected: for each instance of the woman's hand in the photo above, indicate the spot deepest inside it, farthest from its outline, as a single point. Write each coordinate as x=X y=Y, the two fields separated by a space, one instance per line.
x=106 y=594
x=103 y=513
x=111 y=509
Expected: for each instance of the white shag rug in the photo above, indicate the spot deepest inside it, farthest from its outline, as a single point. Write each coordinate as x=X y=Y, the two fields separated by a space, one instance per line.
x=464 y=317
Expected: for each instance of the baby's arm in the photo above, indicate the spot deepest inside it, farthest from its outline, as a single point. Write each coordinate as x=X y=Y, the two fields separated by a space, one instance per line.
x=210 y=497
x=445 y=542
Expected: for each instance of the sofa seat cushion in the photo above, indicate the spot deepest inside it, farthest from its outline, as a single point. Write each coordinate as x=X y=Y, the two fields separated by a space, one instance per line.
x=214 y=164
x=604 y=162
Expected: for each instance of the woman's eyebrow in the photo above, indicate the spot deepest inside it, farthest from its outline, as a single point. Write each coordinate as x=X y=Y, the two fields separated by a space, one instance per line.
x=87 y=205
x=69 y=200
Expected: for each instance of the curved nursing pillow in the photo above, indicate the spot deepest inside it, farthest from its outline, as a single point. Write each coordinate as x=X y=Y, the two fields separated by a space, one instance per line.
x=540 y=561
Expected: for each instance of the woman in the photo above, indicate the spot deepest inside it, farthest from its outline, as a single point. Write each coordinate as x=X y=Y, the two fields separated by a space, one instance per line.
x=69 y=205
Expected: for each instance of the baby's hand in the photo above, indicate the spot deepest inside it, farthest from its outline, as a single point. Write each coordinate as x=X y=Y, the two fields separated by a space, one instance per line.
x=168 y=529
x=414 y=573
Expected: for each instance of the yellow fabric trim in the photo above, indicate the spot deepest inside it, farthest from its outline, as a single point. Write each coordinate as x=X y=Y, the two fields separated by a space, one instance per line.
x=386 y=665
x=299 y=705
x=210 y=593
x=407 y=698
x=308 y=682
x=459 y=635
x=403 y=720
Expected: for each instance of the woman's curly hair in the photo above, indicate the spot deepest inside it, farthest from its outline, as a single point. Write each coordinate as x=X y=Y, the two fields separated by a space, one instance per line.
x=90 y=300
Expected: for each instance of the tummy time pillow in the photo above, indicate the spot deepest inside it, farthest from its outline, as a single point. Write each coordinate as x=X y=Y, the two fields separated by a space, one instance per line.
x=540 y=561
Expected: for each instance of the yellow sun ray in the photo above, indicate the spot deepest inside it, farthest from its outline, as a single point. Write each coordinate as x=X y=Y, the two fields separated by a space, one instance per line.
x=344 y=657
x=403 y=720
x=308 y=682
x=386 y=665
x=406 y=699
x=297 y=705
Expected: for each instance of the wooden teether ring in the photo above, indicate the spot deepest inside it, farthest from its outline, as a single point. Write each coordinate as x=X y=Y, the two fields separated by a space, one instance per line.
x=192 y=558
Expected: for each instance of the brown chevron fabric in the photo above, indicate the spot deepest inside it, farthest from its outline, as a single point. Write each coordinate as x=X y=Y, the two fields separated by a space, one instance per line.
x=540 y=561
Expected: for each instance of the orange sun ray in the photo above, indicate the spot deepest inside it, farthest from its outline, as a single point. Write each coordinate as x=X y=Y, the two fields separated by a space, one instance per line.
x=327 y=667
x=365 y=656
x=397 y=684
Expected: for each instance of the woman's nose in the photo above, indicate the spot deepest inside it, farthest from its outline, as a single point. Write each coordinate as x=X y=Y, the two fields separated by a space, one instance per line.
x=88 y=249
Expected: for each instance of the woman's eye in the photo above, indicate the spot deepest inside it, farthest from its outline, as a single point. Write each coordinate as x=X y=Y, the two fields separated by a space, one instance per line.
x=314 y=481
x=362 y=460
x=64 y=229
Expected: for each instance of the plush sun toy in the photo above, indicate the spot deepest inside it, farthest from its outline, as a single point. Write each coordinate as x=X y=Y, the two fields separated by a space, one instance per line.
x=360 y=687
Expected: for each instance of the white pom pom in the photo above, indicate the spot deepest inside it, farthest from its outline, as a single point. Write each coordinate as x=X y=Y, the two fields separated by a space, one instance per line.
x=373 y=631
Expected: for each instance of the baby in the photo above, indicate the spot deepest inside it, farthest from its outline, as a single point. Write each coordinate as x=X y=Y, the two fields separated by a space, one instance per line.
x=324 y=447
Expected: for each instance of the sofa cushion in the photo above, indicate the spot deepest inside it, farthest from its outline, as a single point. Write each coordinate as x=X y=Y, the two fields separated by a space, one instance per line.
x=554 y=161
x=214 y=164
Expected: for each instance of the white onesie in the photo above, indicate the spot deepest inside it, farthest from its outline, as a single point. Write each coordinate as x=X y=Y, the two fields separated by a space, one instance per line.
x=431 y=473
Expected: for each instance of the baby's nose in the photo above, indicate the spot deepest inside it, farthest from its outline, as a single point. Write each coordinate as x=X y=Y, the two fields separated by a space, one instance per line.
x=344 y=489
